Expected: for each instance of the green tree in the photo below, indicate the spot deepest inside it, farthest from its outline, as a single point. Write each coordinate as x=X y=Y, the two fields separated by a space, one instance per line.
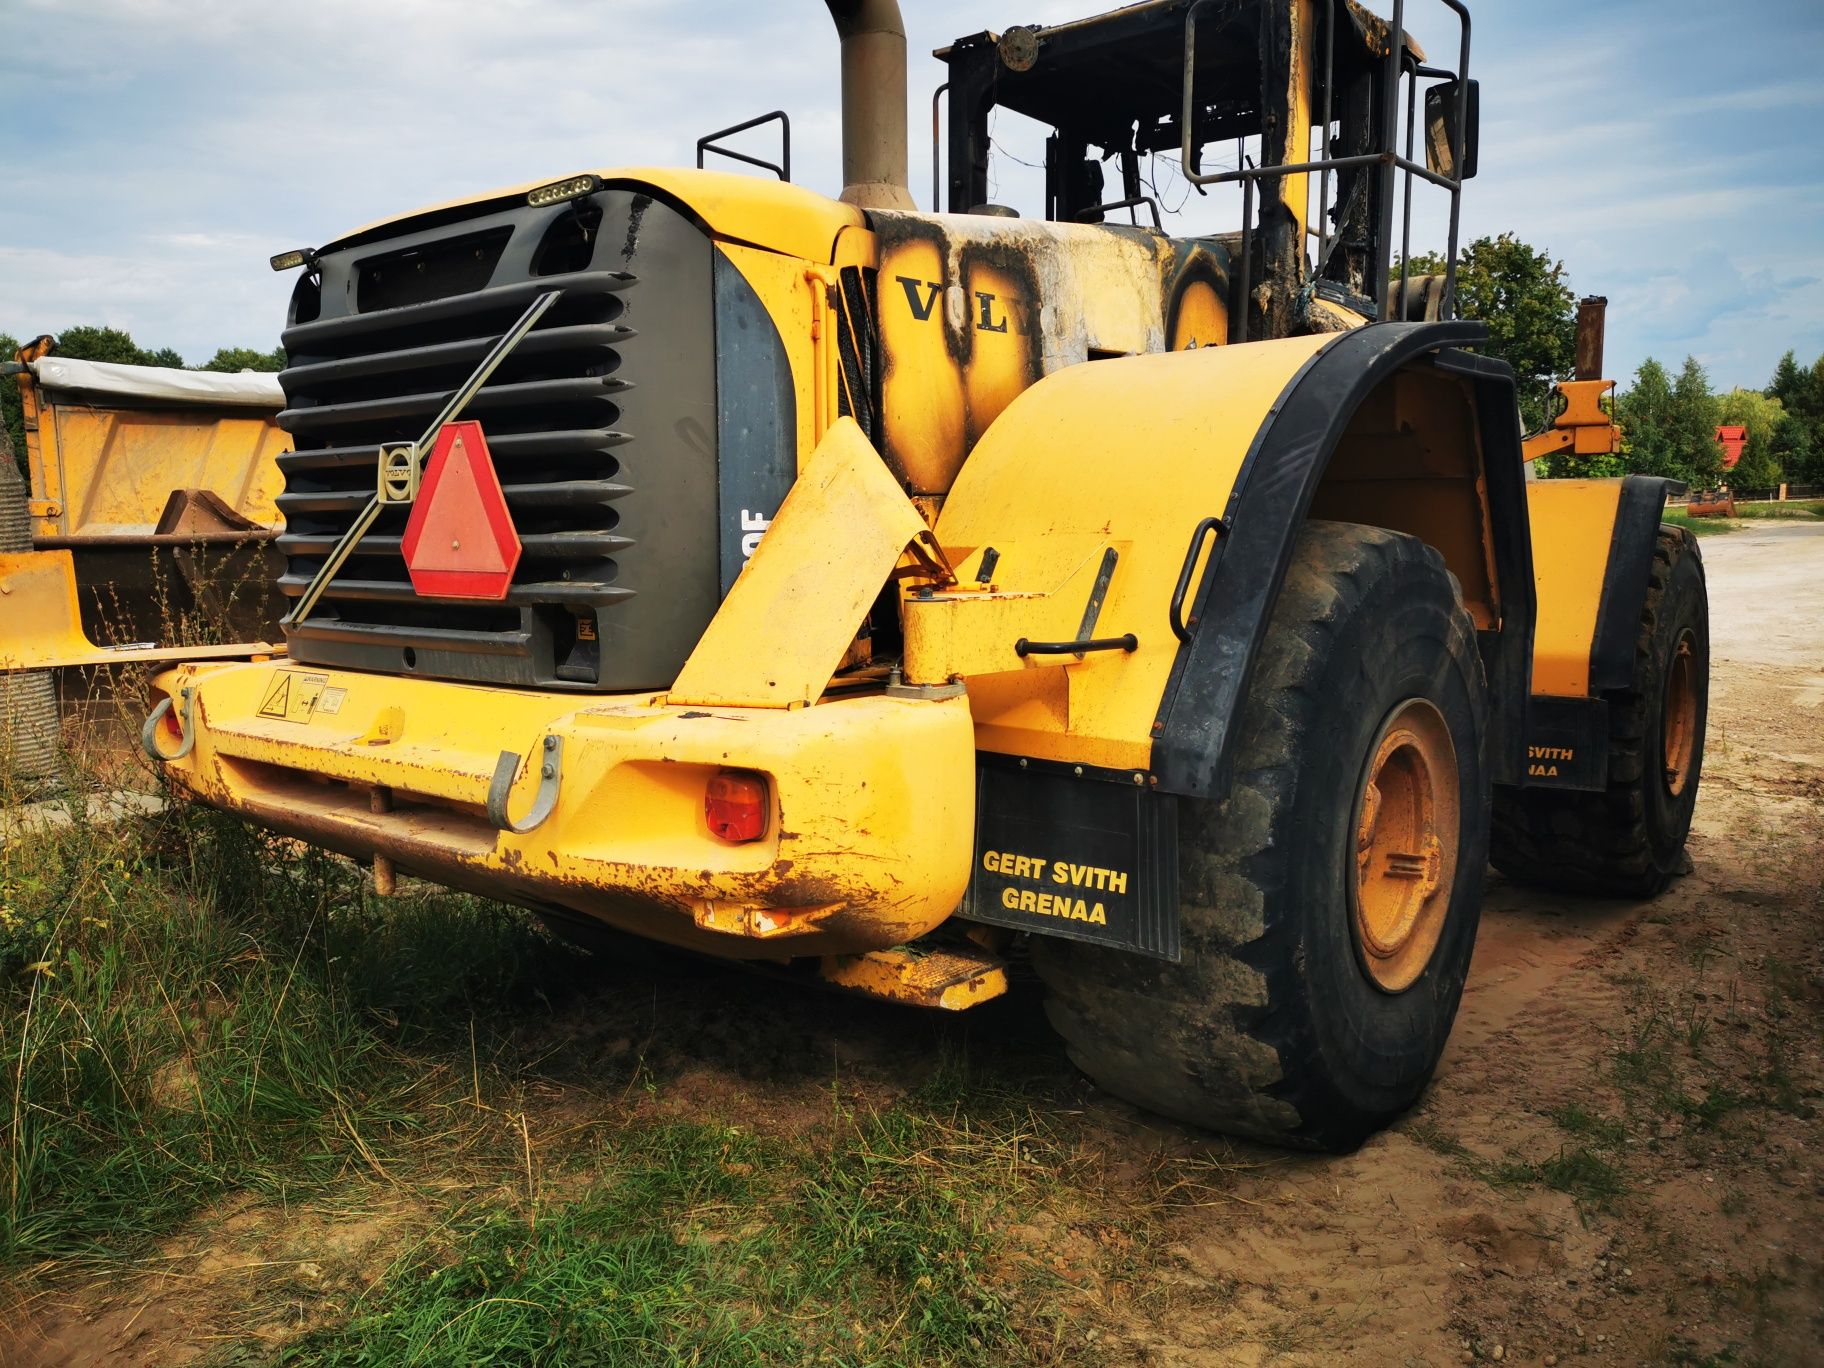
x=1759 y=467
x=232 y=359
x=1531 y=313
x=1801 y=390
x=1644 y=411
x=1692 y=426
x=89 y=343
x=1788 y=385
x=11 y=409
x=1797 y=454
x=1668 y=427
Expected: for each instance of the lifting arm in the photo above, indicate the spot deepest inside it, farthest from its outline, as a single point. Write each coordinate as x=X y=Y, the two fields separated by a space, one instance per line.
x=1583 y=427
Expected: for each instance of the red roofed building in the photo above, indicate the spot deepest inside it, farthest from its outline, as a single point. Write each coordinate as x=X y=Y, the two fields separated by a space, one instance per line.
x=1731 y=438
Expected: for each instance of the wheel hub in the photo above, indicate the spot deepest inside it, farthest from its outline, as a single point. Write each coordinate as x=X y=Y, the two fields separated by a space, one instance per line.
x=1678 y=714
x=1406 y=829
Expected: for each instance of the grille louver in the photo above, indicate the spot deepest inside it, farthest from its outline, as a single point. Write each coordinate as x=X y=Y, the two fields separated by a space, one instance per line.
x=357 y=382
x=602 y=424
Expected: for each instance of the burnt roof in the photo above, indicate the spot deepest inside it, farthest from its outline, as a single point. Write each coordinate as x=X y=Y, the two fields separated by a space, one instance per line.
x=1102 y=74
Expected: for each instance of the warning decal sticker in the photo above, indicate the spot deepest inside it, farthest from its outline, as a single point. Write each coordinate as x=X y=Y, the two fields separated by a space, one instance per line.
x=292 y=696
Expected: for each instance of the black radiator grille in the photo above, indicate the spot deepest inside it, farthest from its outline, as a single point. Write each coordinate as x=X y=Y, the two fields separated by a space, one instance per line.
x=607 y=426
x=552 y=419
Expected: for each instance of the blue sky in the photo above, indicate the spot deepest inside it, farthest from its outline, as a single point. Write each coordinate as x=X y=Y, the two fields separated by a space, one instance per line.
x=159 y=150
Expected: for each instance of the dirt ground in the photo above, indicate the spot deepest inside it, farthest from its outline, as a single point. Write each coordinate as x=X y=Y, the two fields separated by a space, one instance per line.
x=1620 y=1159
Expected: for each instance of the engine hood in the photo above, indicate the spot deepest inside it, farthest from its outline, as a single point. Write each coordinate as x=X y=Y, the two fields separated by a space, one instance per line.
x=773 y=215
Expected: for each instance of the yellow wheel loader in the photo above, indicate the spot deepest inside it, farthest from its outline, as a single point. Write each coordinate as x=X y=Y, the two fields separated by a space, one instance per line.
x=881 y=594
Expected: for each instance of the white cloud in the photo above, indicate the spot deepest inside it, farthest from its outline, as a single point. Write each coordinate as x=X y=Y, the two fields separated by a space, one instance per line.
x=166 y=298
x=160 y=150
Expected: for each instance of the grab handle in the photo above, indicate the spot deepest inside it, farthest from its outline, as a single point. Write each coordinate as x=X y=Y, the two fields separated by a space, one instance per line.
x=1180 y=628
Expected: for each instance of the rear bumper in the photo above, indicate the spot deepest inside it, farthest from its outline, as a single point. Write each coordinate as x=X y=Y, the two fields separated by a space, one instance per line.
x=868 y=842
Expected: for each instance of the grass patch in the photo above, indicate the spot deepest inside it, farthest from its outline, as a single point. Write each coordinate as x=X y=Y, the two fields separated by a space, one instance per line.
x=1665 y=1073
x=1509 y=1173
x=606 y=1278
x=198 y=1017
x=1577 y=1170
x=1433 y=1137
x=1703 y=527
x=1800 y=510
x=1683 y=1353
x=1585 y=1175
x=1578 y=1120
x=874 y=1243
x=1796 y=510
x=192 y=1007
x=1580 y=1170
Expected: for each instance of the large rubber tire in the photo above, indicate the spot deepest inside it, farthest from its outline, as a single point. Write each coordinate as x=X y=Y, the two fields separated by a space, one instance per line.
x=1629 y=840
x=1270 y=1026
x=28 y=698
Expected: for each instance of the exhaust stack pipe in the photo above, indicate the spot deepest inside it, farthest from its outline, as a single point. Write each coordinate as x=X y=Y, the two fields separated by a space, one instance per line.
x=1590 y=311
x=874 y=158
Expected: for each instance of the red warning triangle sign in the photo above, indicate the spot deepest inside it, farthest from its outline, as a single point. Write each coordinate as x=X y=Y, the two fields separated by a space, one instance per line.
x=460 y=541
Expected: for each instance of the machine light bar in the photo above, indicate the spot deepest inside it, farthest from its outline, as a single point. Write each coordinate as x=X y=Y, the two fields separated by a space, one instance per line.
x=559 y=191
x=288 y=261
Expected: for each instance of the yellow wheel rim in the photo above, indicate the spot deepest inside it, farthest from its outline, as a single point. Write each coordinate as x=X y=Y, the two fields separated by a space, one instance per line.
x=1678 y=715
x=1406 y=825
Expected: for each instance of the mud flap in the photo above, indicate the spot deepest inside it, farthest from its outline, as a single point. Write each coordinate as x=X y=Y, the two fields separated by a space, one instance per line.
x=1567 y=743
x=1080 y=858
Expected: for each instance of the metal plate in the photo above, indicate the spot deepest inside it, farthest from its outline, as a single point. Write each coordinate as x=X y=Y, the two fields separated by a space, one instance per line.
x=43 y=618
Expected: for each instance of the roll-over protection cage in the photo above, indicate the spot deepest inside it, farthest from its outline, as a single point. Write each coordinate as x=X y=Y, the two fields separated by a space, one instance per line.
x=1183 y=74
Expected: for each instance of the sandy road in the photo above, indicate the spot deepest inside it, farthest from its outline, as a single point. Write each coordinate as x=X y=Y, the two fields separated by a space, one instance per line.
x=1767 y=596
x=1767 y=649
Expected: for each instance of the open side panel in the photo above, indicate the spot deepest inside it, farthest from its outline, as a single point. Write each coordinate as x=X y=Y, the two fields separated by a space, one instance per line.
x=1134 y=457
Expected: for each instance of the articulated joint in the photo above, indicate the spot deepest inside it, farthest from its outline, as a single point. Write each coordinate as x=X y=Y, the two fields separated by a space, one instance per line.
x=500 y=790
x=148 y=734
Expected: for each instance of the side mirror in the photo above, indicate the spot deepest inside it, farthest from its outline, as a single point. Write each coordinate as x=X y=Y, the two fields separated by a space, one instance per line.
x=1441 y=103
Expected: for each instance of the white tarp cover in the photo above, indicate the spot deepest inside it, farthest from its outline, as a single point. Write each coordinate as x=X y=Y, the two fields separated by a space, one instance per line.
x=106 y=380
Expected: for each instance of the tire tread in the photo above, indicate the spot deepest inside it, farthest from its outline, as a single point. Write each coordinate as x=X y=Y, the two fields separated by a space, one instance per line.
x=1591 y=843
x=1219 y=1039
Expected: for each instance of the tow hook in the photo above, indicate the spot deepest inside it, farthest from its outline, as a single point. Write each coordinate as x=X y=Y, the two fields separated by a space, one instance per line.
x=148 y=734
x=550 y=775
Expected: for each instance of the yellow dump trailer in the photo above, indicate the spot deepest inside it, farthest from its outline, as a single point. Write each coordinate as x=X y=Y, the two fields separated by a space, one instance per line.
x=882 y=593
x=163 y=485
